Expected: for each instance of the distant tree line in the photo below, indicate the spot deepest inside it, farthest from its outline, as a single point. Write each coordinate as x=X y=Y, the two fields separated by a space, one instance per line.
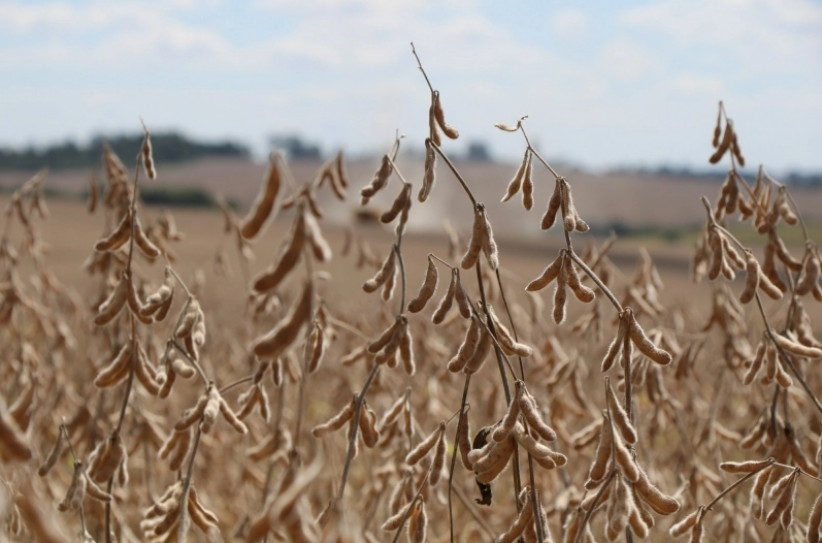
x=790 y=178
x=167 y=147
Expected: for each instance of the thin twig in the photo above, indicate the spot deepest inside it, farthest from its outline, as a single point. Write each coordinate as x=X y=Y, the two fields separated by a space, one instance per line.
x=593 y=505
x=455 y=172
x=181 y=533
x=736 y=484
x=352 y=438
x=462 y=421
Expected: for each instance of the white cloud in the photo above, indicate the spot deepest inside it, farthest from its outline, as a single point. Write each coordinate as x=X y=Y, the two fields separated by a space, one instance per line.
x=692 y=83
x=627 y=60
x=779 y=35
x=570 y=22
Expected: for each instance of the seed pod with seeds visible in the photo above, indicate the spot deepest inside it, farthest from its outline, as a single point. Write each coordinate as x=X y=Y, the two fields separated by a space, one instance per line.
x=464 y=439
x=387 y=354
x=528 y=186
x=439 y=115
x=802 y=325
x=429 y=286
x=619 y=509
x=756 y=364
x=536 y=449
x=507 y=128
x=392 y=414
x=118 y=237
x=797 y=348
x=113 y=304
x=252 y=224
x=571 y=220
x=748 y=466
x=758 y=491
x=314 y=348
x=337 y=421
x=135 y=305
x=117 y=370
x=399 y=204
x=417 y=453
x=319 y=245
x=432 y=127
x=111 y=458
x=188 y=322
x=616 y=344
x=526 y=516
x=583 y=293
x=380 y=179
x=191 y=415
x=211 y=410
x=438 y=461
x=506 y=340
x=368 y=426
x=603 y=453
x=383 y=275
x=506 y=425
x=146 y=246
x=417 y=523
x=550 y=273
x=160 y=301
x=475 y=245
x=724 y=145
x=769 y=268
x=272 y=276
x=447 y=301
x=560 y=295
x=624 y=460
x=554 y=205
x=377 y=345
x=461 y=296
x=54 y=455
x=476 y=359
x=148 y=158
x=718 y=127
x=145 y=372
x=645 y=345
x=809 y=278
x=95 y=491
x=528 y=408
x=274 y=343
x=620 y=416
x=430 y=171
x=682 y=527
x=786 y=498
x=516 y=182
x=406 y=351
x=489 y=246
x=659 y=502
x=782 y=209
x=395 y=520
x=467 y=347
x=248 y=399
x=178 y=442
x=76 y=491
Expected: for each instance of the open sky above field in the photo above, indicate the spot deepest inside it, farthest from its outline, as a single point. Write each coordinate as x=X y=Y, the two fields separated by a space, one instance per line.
x=605 y=83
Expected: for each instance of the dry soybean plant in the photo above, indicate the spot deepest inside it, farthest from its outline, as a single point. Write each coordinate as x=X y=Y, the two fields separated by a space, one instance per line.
x=576 y=431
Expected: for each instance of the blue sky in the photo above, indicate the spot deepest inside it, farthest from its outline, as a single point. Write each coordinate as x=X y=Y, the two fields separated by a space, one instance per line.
x=605 y=83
